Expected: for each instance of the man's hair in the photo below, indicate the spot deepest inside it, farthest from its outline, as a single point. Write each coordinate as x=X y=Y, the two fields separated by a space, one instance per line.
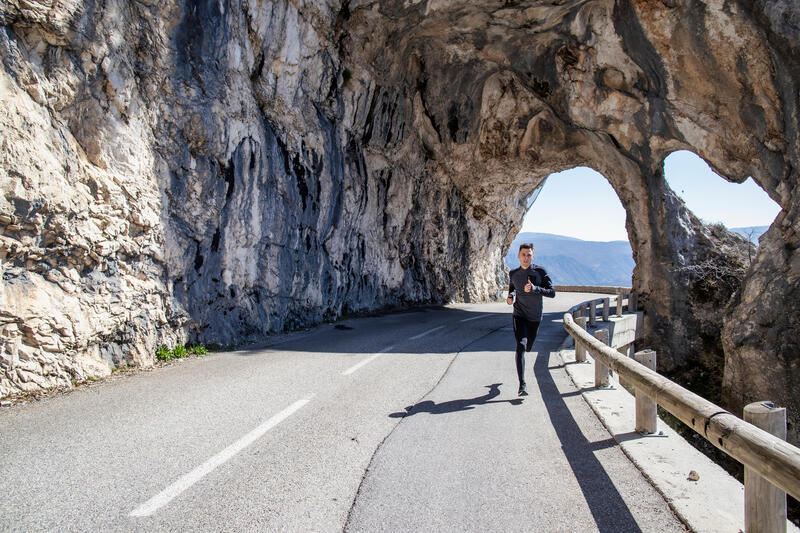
x=526 y=245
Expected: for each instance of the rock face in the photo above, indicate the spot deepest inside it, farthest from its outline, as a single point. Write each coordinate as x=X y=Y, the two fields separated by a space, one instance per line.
x=214 y=171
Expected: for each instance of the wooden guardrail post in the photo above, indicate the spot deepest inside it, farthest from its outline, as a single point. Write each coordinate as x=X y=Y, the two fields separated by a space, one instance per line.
x=619 y=303
x=627 y=351
x=580 y=348
x=592 y=312
x=764 y=503
x=601 y=372
x=771 y=457
x=633 y=302
x=606 y=307
x=646 y=411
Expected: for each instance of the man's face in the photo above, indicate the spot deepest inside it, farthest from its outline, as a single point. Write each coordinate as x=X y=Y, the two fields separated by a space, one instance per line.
x=525 y=257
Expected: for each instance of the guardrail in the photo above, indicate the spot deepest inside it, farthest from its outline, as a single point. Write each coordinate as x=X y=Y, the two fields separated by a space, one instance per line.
x=772 y=465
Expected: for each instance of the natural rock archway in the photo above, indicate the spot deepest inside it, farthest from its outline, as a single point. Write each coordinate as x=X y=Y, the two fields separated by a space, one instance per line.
x=218 y=170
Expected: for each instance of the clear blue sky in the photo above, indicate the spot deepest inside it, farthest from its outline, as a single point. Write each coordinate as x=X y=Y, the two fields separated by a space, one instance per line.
x=582 y=190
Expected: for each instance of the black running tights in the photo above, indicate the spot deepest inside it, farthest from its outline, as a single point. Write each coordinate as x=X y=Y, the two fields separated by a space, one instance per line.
x=524 y=329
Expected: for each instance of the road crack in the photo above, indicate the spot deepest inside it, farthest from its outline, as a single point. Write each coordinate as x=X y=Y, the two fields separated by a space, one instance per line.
x=402 y=418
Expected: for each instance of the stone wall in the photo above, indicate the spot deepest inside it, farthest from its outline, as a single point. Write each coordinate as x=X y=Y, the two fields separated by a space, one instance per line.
x=215 y=171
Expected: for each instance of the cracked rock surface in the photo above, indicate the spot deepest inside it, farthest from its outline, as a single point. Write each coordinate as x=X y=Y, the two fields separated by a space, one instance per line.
x=212 y=171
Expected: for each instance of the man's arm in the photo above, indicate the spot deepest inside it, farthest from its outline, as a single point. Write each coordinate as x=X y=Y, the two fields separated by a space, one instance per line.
x=511 y=291
x=546 y=288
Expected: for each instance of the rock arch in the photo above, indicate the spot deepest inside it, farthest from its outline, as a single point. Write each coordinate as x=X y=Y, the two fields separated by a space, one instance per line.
x=337 y=156
x=617 y=86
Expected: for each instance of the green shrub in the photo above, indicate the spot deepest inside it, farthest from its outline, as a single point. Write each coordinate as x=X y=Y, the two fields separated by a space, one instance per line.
x=198 y=349
x=163 y=353
x=180 y=351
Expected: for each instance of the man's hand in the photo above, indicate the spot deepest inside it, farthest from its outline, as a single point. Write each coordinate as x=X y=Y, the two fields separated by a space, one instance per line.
x=528 y=286
x=510 y=300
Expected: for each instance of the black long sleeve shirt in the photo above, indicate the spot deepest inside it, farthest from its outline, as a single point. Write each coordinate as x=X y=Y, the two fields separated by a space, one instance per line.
x=529 y=304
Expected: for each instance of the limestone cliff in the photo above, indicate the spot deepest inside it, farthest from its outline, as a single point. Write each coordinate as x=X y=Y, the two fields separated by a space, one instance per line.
x=214 y=171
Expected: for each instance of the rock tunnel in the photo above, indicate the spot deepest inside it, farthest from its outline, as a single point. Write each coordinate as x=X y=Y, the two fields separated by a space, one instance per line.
x=214 y=171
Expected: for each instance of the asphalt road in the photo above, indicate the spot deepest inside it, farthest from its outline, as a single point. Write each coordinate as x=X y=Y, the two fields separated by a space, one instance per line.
x=402 y=422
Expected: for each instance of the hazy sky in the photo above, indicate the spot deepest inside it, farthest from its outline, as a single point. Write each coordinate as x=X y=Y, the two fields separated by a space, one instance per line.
x=583 y=191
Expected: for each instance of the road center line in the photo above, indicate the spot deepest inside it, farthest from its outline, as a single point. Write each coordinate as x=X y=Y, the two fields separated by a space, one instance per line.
x=366 y=361
x=415 y=337
x=474 y=318
x=187 y=480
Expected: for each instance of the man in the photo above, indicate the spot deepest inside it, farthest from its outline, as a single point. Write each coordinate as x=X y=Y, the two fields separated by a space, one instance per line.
x=528 y=283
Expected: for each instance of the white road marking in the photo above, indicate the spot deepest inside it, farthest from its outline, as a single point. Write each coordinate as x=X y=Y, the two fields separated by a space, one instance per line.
x=187 y=480
x=415 y=337
x=366 y=361
x=475 y=318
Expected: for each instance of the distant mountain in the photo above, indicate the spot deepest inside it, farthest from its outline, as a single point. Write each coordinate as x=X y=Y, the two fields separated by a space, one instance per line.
x=572 y=261
x=751 y=232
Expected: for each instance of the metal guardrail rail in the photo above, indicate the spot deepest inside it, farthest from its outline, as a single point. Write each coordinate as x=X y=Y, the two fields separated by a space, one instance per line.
x=771 y=457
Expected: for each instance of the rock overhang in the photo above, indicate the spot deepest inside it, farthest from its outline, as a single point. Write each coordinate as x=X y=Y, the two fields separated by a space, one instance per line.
x=335 y=157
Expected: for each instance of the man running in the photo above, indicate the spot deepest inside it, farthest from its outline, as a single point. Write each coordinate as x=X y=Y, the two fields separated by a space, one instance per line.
x=528 y=283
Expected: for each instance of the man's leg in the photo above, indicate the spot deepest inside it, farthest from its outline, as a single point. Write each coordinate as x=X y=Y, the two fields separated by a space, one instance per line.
x=525 y=331
x=531 y=330
x=520 y=334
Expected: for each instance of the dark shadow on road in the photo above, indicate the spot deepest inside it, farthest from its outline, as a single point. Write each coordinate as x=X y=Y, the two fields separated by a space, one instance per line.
x=609 y=510
x=431 y=329
x=577 y=392
x=454 y=406
x=420 y=330
x=635 y=435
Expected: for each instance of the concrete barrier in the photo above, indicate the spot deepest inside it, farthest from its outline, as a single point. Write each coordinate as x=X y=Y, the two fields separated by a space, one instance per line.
x=599 y=289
